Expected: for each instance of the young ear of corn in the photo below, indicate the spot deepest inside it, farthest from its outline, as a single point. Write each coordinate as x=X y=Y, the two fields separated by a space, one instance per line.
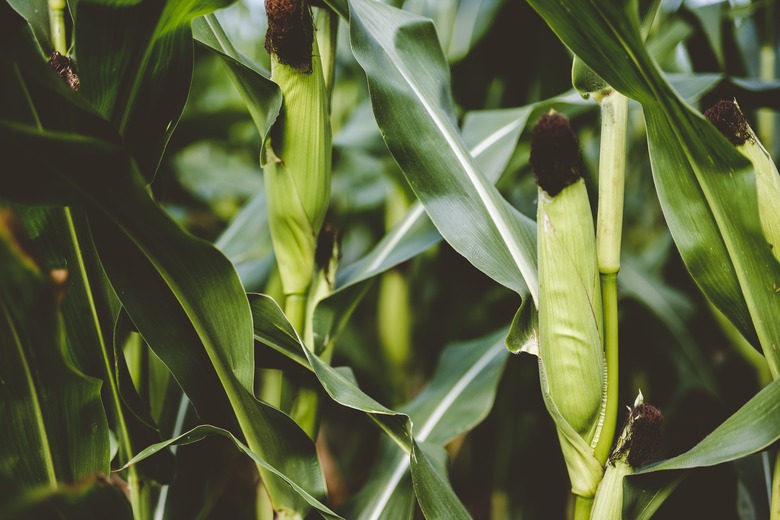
x=570 y=309
x=298 y=154
x=729 y=120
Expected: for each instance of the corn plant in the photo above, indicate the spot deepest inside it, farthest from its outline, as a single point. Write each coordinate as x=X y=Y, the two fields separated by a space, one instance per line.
x=361 y=259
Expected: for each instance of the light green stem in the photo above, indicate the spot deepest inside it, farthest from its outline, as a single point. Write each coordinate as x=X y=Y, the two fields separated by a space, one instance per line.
x=57 y=25
x=582 y=507
x=609 y=229
x=610 y=304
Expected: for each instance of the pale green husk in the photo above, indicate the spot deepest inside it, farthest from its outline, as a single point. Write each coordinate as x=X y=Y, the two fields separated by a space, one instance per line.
x=297 y=172
x=570 y=324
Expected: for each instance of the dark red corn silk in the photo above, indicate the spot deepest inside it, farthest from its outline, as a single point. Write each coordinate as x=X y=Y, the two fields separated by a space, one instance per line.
x=66 y=68
x=644 y=426
x=555 y=154
x=290 y=33
x=729 y=120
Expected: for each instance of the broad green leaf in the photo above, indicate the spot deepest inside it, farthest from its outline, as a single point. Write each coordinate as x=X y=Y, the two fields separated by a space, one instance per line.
x=135 y=66
x=434 y=493
x=54 y=428
x=706 y=189
x=200 y=432
x=491 y=136
x=181 y=293
x=89 y=309
x=409 y=83
x=273 y=329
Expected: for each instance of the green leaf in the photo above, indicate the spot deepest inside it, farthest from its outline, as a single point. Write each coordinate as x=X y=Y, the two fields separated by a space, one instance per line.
x=754 y=427
x=181 y=293
x=491 y=136
x=706 y=189
x=54 y=428
x=36 y=12
x=434 y=493
x=247 y=243
x=459 y=396
x=135 y=66
x=89 y=309
x=200 y=432
x=409 y=84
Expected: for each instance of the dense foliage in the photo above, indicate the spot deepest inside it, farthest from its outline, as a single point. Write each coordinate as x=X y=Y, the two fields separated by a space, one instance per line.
x=239 y=283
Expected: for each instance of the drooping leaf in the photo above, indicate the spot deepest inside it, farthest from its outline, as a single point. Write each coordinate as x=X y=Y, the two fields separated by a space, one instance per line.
x=754 y=427
x=262 y=96
x=200 y=432
x=409 y=84
x=199 y=323
x=458 y=397
x=61 y=236
x=491 y=137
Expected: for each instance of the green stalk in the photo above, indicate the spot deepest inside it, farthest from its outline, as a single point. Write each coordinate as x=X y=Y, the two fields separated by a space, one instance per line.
x=609 y=228
x=582 y=507
x=57 y=25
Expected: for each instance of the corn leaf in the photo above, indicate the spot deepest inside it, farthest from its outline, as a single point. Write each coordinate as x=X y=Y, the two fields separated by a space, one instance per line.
x=752 y=428
x=458 y=397
x=90 y=309
x=409 y=84
x=54 y=429
x=181 y=293
x=135 y=64
x=262 y=96
x=200 y=432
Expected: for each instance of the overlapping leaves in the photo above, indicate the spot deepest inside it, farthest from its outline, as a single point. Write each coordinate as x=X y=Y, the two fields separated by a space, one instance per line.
x=181 y=293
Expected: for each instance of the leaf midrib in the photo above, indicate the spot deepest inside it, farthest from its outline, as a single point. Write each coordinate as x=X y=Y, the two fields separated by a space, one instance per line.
x=37 y=411
x=497 y=217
